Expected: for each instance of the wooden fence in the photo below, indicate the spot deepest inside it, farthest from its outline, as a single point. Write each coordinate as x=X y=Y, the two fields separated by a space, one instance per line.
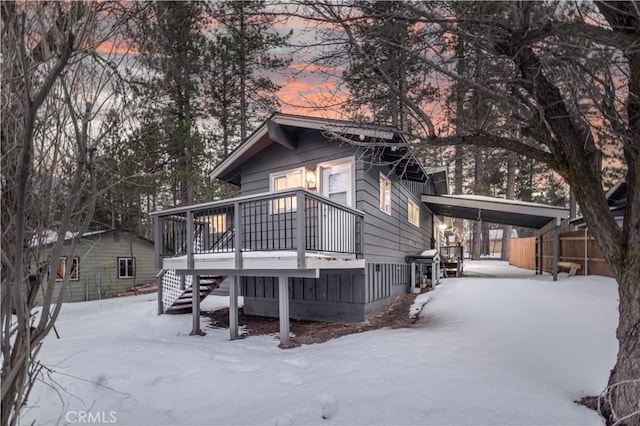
x=572 y=248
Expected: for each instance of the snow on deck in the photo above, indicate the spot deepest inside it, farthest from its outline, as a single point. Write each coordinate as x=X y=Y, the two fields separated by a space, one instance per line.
x=273 y=259
x=484 y=351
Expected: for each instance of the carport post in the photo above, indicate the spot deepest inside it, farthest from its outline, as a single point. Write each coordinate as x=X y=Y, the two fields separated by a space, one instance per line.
x=541 y=256
x=556 y=246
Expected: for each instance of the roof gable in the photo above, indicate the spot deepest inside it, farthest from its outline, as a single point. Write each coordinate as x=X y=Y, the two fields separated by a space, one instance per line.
x=280 y=129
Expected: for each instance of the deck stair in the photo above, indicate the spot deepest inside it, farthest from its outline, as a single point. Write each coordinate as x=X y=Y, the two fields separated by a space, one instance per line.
x=182 y=305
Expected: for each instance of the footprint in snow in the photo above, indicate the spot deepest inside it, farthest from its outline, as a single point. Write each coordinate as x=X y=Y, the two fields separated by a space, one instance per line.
x=329 y=406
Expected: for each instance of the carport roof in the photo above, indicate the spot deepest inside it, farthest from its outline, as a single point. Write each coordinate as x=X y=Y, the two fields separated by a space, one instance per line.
x=495 y=210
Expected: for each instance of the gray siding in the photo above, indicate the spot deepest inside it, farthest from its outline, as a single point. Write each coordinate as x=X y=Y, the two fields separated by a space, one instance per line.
x=98 y=266
x=389 y=238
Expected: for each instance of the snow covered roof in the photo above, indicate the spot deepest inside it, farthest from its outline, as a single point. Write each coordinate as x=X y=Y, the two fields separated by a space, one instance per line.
x=495 y=210
x=50 y=236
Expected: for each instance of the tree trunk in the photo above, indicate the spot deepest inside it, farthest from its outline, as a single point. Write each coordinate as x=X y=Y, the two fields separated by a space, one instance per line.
x=509 y=194
x=460 y=91
x=458 y=224
x=486 y=241
x=477 y=225
x=622 y=396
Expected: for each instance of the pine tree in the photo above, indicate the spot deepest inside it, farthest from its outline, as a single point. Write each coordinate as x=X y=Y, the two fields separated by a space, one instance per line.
x=240 y=57
x=173 y=48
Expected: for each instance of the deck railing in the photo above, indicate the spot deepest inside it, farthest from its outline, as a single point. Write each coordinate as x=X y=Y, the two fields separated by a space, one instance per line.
x=296 y=220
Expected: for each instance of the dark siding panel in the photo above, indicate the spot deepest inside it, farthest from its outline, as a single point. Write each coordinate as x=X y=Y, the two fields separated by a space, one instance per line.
x=309 y=290
x=386 y=280
x=321 y=289
x=298 y=289
x=334 y=288
x=343 y=292
x=268 y=288
x=308 y=310
x=358 y=288
x=346 y=288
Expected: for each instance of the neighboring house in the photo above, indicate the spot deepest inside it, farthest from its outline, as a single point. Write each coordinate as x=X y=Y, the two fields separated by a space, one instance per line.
x=617 y=199
x=354 y=188
x=104 y=263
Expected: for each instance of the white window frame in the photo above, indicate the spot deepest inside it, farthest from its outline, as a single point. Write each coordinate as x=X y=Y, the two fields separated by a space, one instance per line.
x=385 y=201
x=75 y=260
x=132 y=272
x=413 y=213
x=287 y=205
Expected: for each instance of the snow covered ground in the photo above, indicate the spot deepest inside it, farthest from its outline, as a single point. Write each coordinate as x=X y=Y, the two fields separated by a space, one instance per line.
x=484 y=351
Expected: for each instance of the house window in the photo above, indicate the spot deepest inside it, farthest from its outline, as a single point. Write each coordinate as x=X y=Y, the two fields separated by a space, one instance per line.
x=218 y=223
x=413 y=213
x=385 y=194
x=126 y=267
x=62 y=267
x=286 y=180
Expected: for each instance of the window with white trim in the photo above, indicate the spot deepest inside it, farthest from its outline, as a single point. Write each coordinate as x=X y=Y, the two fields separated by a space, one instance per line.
x=126 y=267
x=74 y=273
x=289 y=179
x=413 y=213
x=385 y=194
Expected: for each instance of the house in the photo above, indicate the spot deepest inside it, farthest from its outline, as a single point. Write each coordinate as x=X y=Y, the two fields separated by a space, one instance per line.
x=103 y=264
x=332 y=208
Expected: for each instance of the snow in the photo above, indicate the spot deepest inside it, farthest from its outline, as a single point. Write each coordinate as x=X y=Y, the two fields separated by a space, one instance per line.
x=515 y=350
x=500 y=200
x=50 y=236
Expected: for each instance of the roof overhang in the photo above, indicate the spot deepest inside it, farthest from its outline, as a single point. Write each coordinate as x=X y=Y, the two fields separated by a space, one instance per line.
x=495 y=210
x=278 y=128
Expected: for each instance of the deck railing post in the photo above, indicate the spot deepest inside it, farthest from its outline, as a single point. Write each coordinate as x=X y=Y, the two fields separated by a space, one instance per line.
x=359 y=249
x=159 y=284
x=301 y=229
x=237 y=238
x=158 y=247
x=190 y=237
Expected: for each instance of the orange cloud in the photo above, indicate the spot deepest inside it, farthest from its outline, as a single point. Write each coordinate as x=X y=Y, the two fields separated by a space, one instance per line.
x=109 y=46
x=312 y=98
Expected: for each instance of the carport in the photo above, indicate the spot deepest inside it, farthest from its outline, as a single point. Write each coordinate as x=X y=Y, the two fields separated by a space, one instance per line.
x=542 y=217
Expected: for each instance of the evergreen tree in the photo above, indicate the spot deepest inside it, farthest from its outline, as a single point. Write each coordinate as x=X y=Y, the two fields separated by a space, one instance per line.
x=173 y=48
x=240 y=57
x=384 y=30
